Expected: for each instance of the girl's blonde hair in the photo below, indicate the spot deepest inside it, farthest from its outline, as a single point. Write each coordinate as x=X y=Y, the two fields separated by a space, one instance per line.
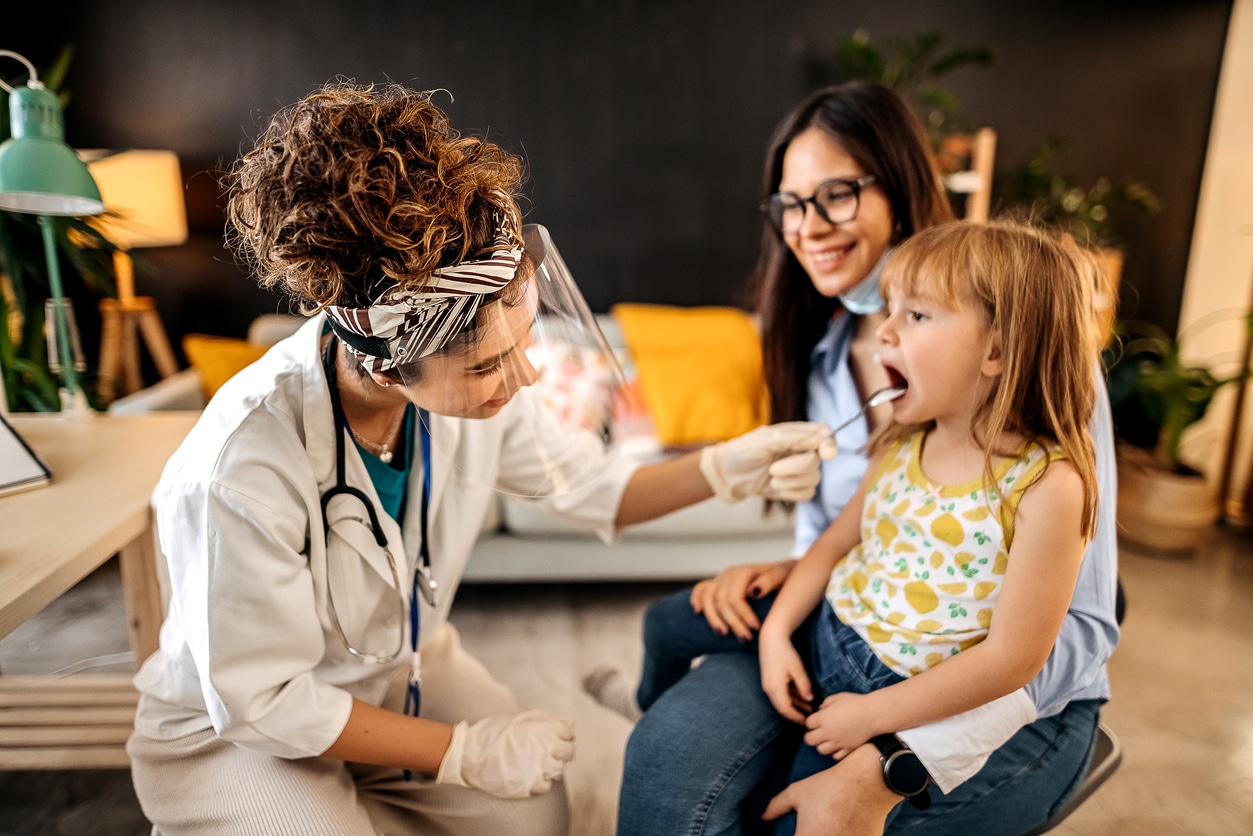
x=1035 y=289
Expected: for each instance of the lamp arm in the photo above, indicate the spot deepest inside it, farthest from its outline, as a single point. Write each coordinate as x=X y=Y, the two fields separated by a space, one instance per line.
x=61 y=324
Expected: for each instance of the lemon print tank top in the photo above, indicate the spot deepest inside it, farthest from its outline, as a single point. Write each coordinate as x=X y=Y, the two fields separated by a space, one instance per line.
x=923 y=582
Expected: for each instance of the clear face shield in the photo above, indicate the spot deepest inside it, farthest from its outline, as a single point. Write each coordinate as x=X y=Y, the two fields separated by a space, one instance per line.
x=531 y=352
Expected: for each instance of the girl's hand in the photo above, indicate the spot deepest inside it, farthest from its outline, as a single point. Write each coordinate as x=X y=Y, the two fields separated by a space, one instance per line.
x=723 y=599
x=843 y=722
x=783 y=677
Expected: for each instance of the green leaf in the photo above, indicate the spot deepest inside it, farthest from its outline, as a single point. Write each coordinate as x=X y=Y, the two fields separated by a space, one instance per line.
x=913 y=66
x=960 y=57
x=856 y=58
x=1154 y=395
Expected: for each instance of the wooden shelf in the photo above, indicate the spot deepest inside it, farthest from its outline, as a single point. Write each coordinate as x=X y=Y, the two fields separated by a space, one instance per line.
x=79 y=722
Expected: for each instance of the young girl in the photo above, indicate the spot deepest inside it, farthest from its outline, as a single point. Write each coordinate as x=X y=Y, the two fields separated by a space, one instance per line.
x=968 y=530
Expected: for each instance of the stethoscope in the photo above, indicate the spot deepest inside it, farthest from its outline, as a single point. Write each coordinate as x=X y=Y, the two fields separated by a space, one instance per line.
x=424 y=583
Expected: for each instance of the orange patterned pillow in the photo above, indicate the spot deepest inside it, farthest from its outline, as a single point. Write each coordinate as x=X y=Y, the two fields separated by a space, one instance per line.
x=700 y=370
x=217 y=359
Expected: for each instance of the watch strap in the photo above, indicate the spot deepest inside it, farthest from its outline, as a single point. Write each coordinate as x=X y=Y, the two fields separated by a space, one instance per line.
x=890 y=746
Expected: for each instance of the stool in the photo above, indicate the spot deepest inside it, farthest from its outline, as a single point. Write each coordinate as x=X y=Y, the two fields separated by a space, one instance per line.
x=119 y=348
x=1106 y=755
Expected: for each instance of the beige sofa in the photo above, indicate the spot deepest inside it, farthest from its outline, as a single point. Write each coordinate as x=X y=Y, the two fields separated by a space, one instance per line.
x=519 y=545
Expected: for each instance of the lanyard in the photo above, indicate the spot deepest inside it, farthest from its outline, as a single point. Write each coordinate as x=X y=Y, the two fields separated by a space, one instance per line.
x=424 y=584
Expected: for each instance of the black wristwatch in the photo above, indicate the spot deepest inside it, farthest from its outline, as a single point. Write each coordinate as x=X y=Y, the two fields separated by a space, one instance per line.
x=903 y=772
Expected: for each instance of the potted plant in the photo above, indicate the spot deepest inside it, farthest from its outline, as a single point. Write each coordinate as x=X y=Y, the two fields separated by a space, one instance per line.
x=1163 y=503
x=28 y=385
x=913 y=67
x=1058 y=201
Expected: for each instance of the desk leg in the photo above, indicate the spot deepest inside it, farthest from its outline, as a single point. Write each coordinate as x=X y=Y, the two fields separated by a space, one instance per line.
x=142 y=594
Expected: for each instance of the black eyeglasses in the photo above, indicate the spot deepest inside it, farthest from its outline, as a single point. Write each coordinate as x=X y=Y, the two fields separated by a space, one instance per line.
x=836 y=202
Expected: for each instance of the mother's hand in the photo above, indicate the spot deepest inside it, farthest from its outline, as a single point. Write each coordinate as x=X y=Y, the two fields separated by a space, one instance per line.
x=723 y=599
x=850 y=798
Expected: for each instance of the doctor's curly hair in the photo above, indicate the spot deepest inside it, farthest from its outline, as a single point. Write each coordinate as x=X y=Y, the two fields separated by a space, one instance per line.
x=354 y=188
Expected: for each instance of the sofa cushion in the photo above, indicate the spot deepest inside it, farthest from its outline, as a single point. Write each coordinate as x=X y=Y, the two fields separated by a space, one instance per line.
x=711 y=518
x=700 y=370
x=218 y=359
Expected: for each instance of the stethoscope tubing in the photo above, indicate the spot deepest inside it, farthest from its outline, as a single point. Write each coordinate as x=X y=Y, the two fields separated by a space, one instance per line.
x=342 y=488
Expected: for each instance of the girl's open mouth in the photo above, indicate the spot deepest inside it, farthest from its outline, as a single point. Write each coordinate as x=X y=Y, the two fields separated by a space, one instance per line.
x=895 y=378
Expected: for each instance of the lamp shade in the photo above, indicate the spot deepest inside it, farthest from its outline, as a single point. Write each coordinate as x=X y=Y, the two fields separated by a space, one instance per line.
x=39 y=173
x=143 y=197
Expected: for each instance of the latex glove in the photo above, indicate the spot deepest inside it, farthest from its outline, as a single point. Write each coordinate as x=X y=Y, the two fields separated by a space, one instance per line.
x=777 y=461
x=509 y=755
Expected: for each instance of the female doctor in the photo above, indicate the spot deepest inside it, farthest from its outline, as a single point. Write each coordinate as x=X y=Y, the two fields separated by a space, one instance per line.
x=318 y=518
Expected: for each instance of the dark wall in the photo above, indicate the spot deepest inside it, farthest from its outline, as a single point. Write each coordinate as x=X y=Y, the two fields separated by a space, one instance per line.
x=643 y=123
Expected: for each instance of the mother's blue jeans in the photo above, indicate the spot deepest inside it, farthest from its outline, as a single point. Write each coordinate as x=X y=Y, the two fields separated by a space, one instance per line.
x=710 y=750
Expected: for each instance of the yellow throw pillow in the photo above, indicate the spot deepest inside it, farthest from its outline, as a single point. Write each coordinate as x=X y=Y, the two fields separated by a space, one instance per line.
x=699 y=369
x=217 y=359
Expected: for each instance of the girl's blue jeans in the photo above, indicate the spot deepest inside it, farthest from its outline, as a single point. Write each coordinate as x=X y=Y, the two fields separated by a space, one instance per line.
x=711 y=751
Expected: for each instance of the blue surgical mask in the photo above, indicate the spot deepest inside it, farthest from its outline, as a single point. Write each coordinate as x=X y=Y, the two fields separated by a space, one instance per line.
x=864 y=298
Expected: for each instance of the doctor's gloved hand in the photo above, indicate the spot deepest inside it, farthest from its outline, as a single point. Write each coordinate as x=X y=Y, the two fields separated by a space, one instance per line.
x=509 y=755
x=777 y=461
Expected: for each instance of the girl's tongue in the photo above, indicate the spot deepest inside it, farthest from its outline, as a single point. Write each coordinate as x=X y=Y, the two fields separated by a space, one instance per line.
x=895 y=378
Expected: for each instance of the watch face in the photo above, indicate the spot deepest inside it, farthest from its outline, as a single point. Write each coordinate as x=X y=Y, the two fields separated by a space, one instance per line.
x=906 y=773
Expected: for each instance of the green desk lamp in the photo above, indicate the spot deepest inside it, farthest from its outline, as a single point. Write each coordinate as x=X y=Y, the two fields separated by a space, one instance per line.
x=41 y=175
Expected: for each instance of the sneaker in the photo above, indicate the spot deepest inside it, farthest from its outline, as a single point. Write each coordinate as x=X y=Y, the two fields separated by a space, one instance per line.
x=610 y=687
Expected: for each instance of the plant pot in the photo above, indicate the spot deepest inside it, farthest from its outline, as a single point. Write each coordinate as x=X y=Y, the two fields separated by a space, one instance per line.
x=1160 y=509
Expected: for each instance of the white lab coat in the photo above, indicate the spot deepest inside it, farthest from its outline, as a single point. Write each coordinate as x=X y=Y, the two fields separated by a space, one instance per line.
x=248 y=645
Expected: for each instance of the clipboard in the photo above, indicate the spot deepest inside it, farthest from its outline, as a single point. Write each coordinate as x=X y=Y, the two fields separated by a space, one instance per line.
x=20 y=468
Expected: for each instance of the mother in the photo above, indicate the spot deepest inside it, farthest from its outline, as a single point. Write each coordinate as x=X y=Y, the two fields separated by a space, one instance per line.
x=848 y=175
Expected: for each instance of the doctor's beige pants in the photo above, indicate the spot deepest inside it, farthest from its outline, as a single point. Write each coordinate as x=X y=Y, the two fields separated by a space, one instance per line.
x=201 y=785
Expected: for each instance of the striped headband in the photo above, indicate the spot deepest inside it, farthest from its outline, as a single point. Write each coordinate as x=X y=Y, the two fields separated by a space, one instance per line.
x=401 y=326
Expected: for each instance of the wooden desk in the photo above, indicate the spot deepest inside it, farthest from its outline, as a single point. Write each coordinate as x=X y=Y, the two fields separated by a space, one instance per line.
x=98 y=504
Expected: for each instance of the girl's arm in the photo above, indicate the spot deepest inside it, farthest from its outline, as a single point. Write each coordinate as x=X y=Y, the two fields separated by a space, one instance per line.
x=783 y=675
x=1039 y=582
x=807 y=583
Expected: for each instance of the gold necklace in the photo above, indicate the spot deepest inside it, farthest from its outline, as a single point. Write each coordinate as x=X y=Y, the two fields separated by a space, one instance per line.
x=383 y=451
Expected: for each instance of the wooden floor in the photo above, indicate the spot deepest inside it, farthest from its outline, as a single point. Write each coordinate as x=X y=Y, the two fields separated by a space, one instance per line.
x=1182 y=706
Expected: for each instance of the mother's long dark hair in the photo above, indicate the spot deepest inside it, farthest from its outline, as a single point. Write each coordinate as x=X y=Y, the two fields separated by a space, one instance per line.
x=880 y=132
